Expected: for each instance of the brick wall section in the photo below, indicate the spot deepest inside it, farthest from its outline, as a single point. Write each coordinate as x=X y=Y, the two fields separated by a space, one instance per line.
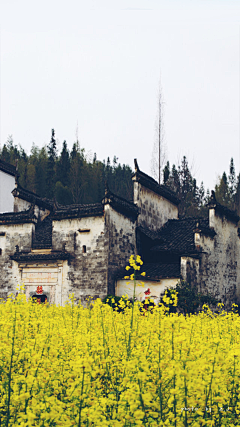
x=15 y=234
x=87 y=272
x=155 y=210
x=120 y=233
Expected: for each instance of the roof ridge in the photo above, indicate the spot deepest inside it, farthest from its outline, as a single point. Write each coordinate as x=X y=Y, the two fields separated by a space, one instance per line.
x=149 y=182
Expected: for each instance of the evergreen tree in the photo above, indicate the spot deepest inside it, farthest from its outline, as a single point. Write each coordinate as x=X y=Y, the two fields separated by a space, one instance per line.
x=76 y=174
x=63 y=166
x=166 y=173
x=41 y=173
x=232 y=182
x=222 y=192
x=63 y=194
x=237 y=196
x=52 y=156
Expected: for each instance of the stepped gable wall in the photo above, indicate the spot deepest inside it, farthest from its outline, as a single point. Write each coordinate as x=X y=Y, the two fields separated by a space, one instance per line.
x=23 y=199
x=156 y=203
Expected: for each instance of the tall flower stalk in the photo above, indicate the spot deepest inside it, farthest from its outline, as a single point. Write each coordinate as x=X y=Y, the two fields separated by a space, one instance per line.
x=135 y=264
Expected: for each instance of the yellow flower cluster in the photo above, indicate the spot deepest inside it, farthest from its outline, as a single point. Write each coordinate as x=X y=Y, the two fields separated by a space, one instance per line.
x=135 y=264
x=71 y=366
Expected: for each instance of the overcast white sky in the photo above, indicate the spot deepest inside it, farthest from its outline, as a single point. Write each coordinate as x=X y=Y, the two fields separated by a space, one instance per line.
x=97 y=63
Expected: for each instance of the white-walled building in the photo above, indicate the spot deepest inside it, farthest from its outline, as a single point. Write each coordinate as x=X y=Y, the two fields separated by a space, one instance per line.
x=7 y=184
x=57 y=250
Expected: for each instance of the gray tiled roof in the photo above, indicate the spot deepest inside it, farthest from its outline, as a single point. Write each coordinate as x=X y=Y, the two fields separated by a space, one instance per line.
x=22 y=257
x=154 y=271
x=18 y=217
x=153 y=235
x=43 y=234
x=229 y=214
x=8 y=168
x=148 y=182
x=77 y=211
x=177 y=235
x=31 y=197
x=121 y=205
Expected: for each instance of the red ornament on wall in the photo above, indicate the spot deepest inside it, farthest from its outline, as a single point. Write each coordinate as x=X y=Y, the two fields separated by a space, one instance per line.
x=39 y=290
x=147 y=292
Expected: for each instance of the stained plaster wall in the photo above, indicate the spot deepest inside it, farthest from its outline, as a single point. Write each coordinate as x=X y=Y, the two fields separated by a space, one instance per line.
x=15 y=234
x=86 y=273
x=155 y=210
x=7 y=184
x=21 y=205
x=190 y=270
x=157 y=288
x=219 y=267
x=120 y=234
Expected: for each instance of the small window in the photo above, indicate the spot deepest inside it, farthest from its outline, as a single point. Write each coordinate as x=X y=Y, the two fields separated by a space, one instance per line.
x=0 y=251
x=84 y=249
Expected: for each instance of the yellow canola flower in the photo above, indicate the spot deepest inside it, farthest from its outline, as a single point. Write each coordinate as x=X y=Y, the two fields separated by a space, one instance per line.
x=73 y=363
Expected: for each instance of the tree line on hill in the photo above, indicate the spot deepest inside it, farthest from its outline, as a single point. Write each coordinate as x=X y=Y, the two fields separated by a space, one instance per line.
x=69 y=177
x=193 y=198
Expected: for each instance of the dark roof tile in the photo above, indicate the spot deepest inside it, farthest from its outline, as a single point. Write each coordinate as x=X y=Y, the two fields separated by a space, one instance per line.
x=154 y=271
x=153 y=235
x=121 y=205
x=31 y=197
x=18 y=217
x=8 y=168
x=43 y=234
x=77 y=211
x=153 y=185
x=177 y=235
x=22 y=257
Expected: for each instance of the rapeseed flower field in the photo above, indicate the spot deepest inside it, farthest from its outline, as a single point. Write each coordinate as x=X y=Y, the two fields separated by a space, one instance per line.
x=96 y=366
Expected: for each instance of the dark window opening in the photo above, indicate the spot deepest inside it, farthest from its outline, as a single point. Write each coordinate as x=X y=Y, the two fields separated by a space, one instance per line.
x=84 y=249
x=40 y=299
x=0 y=251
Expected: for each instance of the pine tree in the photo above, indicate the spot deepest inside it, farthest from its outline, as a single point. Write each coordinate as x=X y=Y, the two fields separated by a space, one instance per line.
x=232 y=182
x=41 y=173
x=222 y=192
x=63 y=166
x=237 y=196
x=166 y=173
x=52 y=156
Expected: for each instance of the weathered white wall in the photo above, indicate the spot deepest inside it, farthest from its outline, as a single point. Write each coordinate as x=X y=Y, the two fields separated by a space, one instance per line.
x=86 y=274
x=23 y=205
x=219 y=265
x=126 y=287
x=120 y=235
x=14 y=234
x=190 y=270
x=7 y=184
x=155 y=210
